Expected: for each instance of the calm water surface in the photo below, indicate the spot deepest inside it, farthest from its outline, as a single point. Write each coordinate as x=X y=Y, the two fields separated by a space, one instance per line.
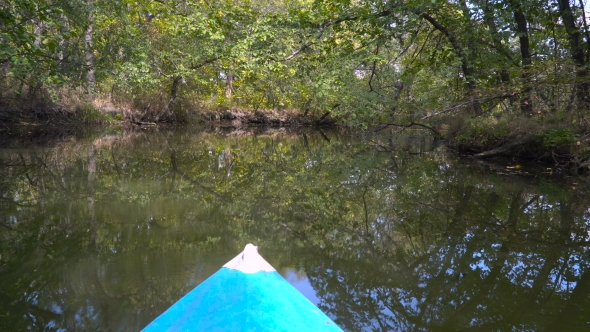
x=384 y=231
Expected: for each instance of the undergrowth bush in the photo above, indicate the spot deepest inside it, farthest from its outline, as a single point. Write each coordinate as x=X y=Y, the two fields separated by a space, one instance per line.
x=557 y=138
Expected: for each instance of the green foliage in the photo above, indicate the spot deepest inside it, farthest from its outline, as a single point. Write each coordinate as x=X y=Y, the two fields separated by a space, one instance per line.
x=557 y=138
x=288 y=54
x=35 y=35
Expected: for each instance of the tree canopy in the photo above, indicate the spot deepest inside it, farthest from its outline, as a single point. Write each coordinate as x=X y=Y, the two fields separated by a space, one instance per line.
x=364 y=61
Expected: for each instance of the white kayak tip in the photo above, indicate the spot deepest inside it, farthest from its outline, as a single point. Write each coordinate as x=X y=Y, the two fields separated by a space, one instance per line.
x=249 y=261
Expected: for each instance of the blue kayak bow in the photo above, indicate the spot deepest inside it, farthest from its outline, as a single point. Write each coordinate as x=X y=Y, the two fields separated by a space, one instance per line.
x=246 y=294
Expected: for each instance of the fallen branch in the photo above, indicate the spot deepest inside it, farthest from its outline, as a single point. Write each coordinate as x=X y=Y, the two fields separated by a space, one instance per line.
x=507 y=147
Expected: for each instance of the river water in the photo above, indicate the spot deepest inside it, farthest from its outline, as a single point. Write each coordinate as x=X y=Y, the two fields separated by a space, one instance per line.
x=384 y=231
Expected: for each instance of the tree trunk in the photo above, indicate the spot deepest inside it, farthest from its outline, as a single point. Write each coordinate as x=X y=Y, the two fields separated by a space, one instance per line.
x=526 y=103
x=307 y=107
x=582 y=86
x=470 y=52
x=173 y=94
x=586 y=29
x=229 y=81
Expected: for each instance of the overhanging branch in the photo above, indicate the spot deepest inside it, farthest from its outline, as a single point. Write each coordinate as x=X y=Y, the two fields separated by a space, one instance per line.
x=206 y=62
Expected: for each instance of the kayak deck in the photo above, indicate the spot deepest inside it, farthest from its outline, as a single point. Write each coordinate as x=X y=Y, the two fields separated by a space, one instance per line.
x=259 y=299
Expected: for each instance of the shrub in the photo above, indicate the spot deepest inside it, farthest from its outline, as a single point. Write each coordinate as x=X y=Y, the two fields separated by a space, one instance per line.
x=557 y=138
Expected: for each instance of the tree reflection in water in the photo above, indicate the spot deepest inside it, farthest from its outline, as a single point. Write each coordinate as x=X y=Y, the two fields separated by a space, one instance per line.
x=106 y=233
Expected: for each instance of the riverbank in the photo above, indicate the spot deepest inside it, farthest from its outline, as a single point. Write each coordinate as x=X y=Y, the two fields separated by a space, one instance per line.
x=74 y=111
x=551 y=140
x=559 y=142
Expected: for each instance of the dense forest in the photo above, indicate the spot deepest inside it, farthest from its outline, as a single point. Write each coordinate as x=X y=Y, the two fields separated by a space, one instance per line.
x=490 y=73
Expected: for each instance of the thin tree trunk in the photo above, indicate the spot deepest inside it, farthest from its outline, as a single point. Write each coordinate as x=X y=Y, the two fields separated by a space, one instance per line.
x=470 y=51
x=307 y=107
x=229 y=81
x=89 y=52
x=586 y=30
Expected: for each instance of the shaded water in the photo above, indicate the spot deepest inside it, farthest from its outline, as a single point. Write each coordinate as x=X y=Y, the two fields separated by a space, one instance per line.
x=383 y=232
